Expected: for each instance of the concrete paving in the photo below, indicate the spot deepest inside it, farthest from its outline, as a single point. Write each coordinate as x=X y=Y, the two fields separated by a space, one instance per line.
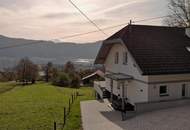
x=99 y=116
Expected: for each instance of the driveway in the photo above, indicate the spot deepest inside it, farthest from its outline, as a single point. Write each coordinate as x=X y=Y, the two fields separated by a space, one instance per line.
x=98 y=116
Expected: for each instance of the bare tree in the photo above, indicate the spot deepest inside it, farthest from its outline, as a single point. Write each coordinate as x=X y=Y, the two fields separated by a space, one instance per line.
x=48 y=71
x=69 y=68
x=179 y=13
x=26 y=71
x=7 y=75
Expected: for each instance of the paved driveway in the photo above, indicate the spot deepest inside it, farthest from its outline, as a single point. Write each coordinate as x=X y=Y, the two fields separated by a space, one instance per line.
x=98 y=116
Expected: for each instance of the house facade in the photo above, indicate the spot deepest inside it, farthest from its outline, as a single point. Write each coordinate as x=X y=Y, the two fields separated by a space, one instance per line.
x=147 y=64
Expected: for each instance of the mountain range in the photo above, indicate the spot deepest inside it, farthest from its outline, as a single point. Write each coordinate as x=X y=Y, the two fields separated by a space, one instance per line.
x=41 y=52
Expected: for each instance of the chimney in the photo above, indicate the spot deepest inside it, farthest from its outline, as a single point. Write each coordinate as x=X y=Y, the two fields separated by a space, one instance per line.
x=187 y=31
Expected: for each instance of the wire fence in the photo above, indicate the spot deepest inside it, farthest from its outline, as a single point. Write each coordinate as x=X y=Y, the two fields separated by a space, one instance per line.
x=67 y=110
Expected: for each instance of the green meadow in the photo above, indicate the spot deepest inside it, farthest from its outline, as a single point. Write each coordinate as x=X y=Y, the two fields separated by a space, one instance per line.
x=37 y=107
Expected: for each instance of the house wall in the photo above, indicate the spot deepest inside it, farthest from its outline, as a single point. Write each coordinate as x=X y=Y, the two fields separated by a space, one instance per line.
x=174 y=91
x=131 y=68
x=174 y=84
x=135 y=91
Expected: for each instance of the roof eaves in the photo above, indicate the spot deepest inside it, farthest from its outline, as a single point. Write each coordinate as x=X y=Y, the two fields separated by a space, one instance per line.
x=106 y=43
x=165 y=73
x=137 y=65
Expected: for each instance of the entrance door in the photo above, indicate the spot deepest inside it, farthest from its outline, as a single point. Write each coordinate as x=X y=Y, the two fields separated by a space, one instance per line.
x=183 y=90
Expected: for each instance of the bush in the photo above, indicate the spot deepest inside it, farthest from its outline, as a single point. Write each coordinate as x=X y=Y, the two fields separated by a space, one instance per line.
x=62 y=80
x=66 y=80
x=75 y=81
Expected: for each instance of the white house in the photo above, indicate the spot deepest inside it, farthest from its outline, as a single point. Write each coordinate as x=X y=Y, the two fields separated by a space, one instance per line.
x=146 y=65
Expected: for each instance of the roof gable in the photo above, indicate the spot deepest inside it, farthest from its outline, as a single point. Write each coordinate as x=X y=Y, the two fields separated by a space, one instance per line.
x=156 y=49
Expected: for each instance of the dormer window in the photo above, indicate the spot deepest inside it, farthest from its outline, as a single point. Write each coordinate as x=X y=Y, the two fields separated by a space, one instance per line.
x=116 y=57
x=125 y=58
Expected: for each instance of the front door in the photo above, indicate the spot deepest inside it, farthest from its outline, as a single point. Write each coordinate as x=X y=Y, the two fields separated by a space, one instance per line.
x=183 y=90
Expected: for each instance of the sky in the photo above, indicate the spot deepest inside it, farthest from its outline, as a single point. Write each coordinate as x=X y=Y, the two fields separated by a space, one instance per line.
x=55 y=19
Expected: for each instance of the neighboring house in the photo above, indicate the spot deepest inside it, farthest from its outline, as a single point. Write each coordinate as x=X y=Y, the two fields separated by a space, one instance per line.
x=96 y=76
x=146 y=64
x=41 y=75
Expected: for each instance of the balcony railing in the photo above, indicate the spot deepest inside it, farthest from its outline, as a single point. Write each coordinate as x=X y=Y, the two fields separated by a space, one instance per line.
x=99 y=86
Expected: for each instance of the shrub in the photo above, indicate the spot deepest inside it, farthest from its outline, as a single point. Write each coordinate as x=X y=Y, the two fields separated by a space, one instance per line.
x=66 y=80
x=75 y=81
x=62 y=80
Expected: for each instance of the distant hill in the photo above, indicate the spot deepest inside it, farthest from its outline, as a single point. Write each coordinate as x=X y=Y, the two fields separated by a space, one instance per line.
x=46 y=51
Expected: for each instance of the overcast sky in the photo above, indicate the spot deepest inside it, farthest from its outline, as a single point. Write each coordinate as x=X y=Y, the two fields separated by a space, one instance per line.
x=53 y=19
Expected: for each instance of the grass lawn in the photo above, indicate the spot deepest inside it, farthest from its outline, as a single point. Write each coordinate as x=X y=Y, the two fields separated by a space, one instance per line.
x=36 y=107
x=6 y=87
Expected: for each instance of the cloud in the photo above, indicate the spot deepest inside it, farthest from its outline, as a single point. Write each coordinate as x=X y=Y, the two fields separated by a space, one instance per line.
x=101 y=21
x=17 y=4
x=58 y=15
x=35 y=18
x=137 y=9
x=119 y=6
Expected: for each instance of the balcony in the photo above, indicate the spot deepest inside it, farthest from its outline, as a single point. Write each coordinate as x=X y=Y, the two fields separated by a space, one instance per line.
x=99 y=87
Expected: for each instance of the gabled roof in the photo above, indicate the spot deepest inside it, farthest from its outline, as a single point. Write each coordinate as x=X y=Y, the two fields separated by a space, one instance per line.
x=98 y=72
x=156 y=49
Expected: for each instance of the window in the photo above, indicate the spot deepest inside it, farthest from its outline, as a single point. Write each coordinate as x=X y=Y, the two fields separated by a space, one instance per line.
x=183 y=90
x=116 y=57
x=163 y=90
x=125 y=58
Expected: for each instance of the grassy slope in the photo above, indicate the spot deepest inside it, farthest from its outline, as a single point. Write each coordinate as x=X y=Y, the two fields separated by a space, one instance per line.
x=6 y=87
x=38 y=106
x=74 y=120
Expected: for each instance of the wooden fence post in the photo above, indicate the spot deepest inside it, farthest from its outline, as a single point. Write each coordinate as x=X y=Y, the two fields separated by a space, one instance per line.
x=69 y=105
x=64 y=121
x=76 y=94
x=72 y=97
x=55 y=127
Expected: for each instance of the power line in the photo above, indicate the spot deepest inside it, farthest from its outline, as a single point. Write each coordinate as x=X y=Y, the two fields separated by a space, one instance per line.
x=150 y=19
x=87 y=17
x=81 y=34
x=90 y=32
x=111 y=27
